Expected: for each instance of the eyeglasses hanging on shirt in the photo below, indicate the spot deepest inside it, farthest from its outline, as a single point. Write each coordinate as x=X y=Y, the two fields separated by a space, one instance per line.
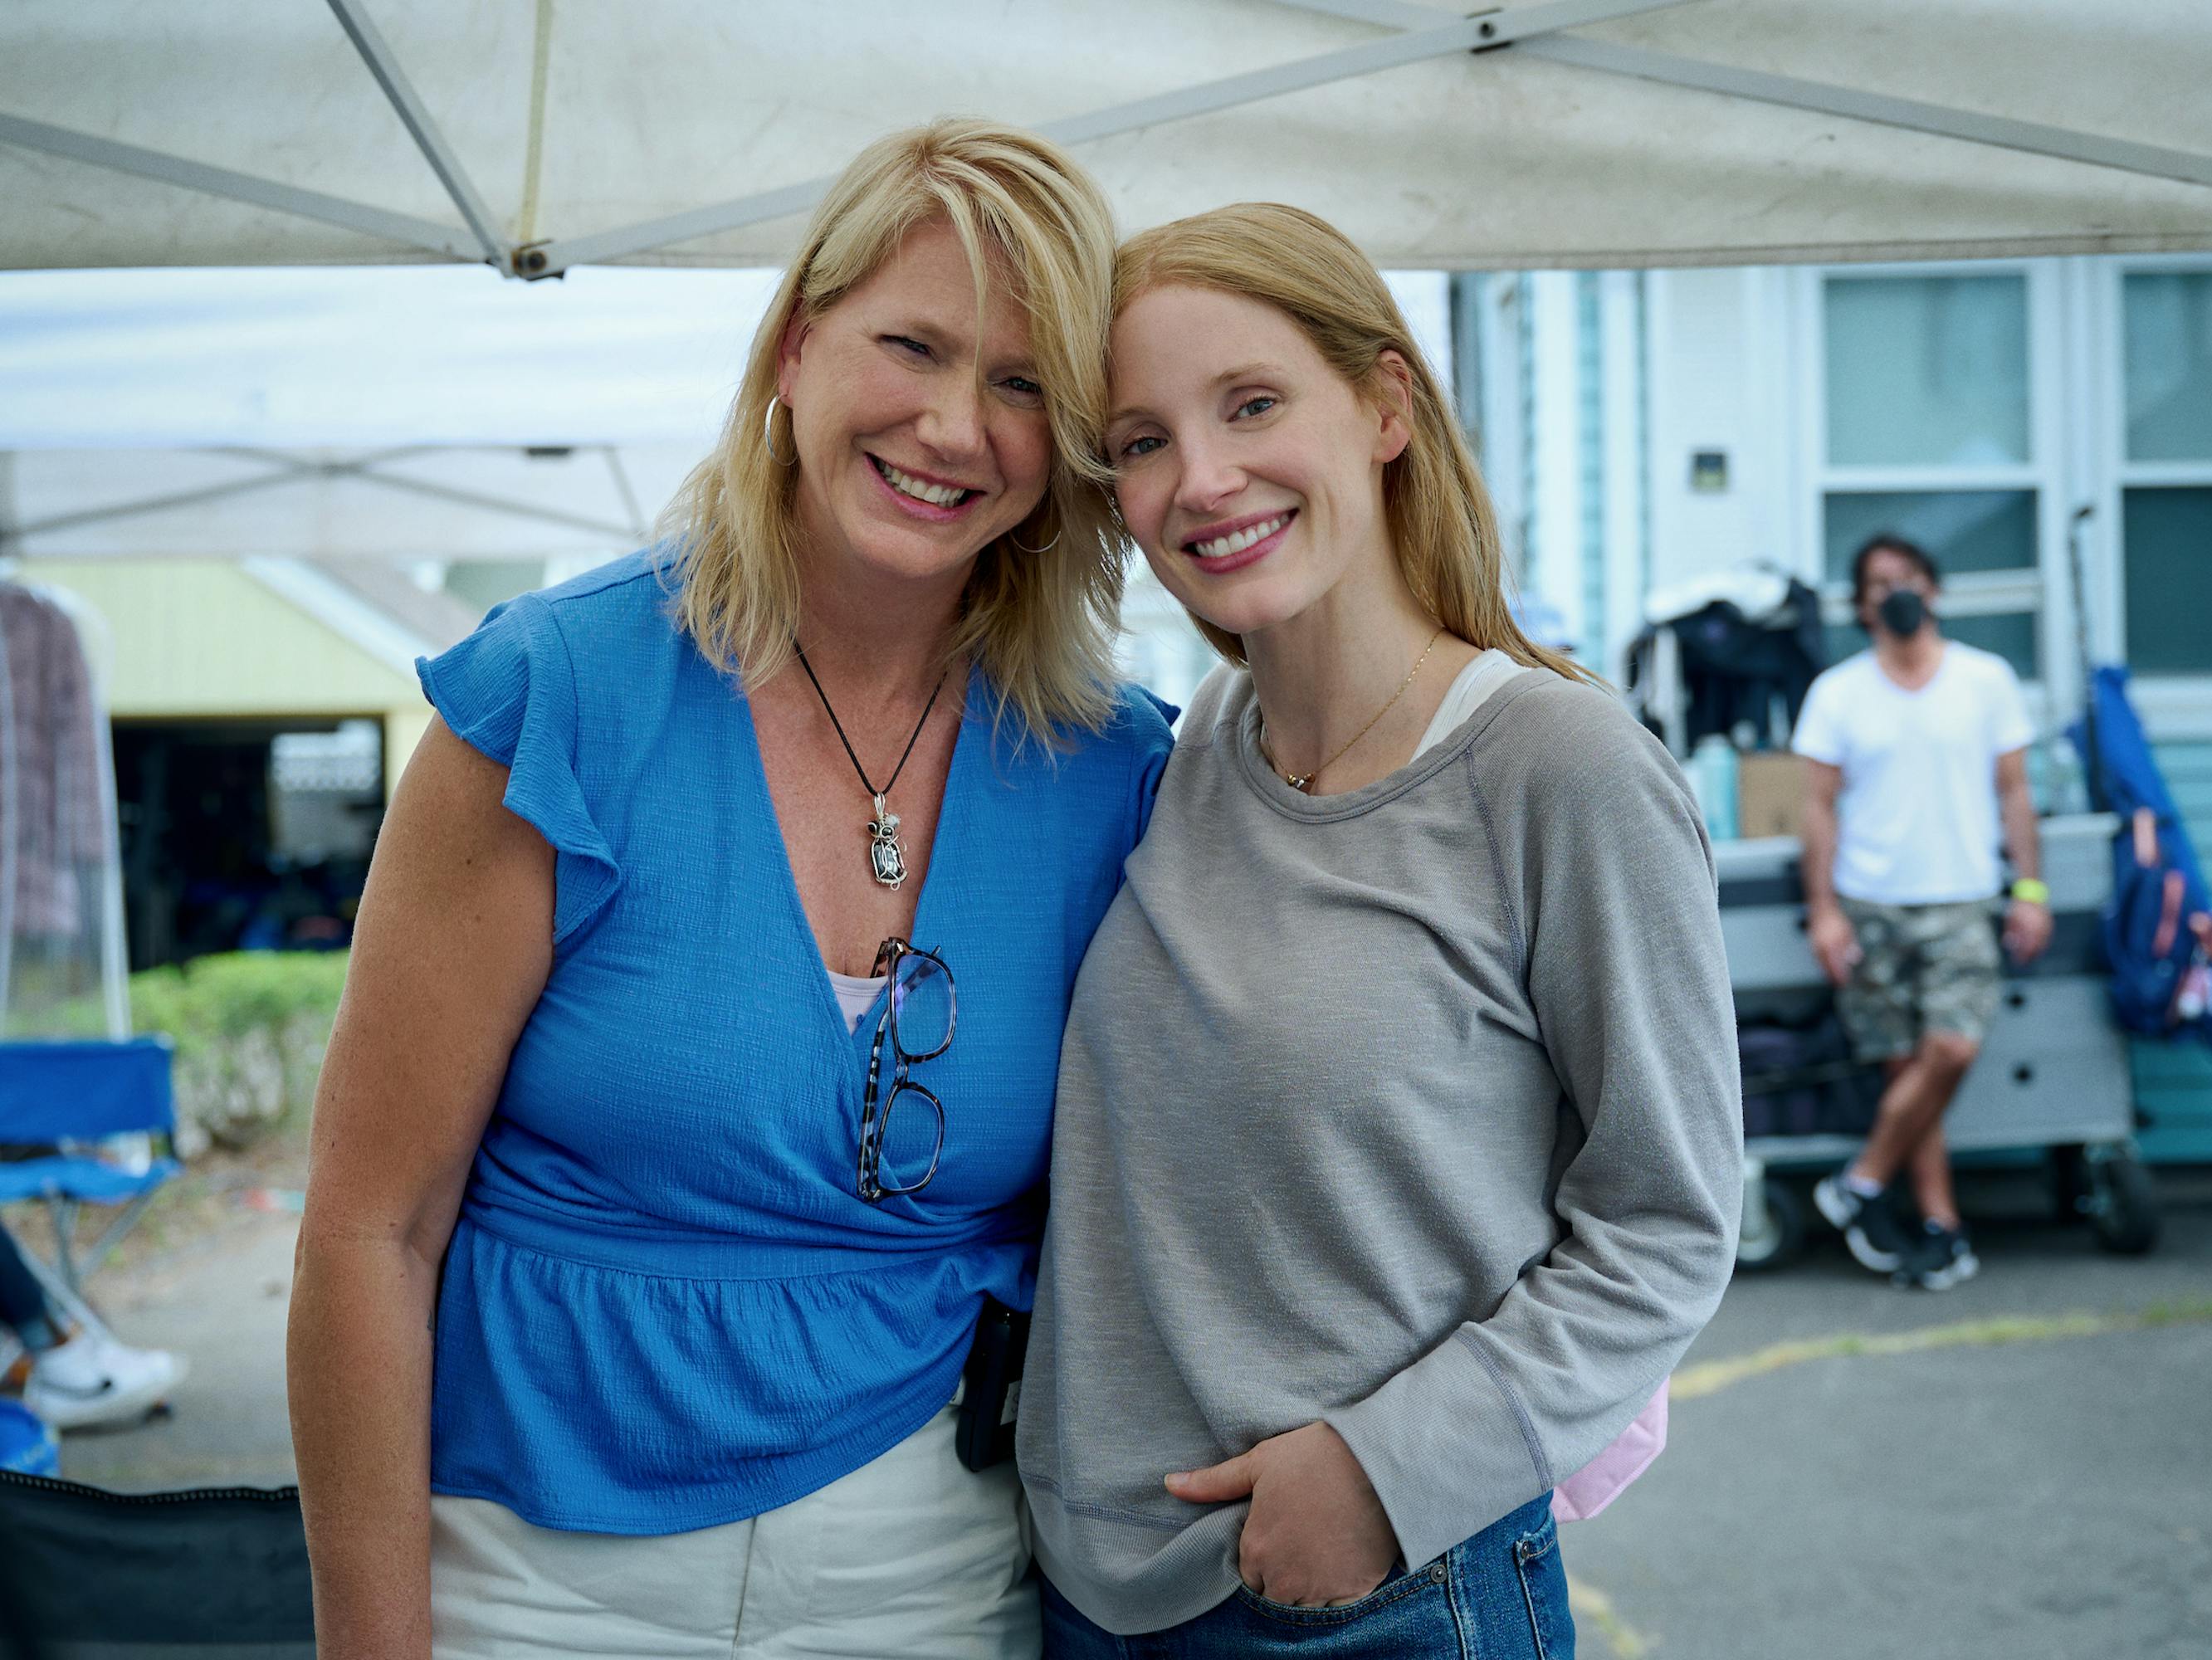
x=899 y=1152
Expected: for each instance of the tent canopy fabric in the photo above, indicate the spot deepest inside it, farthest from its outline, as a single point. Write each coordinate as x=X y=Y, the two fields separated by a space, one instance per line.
x=426 y=503
x=534 y=135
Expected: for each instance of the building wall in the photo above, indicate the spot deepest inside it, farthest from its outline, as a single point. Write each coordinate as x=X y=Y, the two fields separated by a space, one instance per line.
x=186 y=637
x=1717 y=363
x=1731 y=362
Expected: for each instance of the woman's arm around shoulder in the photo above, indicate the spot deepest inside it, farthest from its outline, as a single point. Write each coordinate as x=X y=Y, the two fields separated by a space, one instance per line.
x=452 y=948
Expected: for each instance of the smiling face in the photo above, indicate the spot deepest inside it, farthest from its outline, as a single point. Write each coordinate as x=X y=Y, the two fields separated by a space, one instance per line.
x=909 y=465
x=1246 y=469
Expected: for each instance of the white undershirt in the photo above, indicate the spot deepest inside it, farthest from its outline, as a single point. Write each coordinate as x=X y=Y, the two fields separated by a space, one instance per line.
x=855 y=996
x=1464 y=696
x=1481 y=677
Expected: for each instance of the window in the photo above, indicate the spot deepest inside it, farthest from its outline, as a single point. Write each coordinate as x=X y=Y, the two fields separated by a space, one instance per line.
x=1976 y=530
x=2168 y=318
x=2011 y=635
x=1929 y=434
x=2166 y=474
x=2169 y=537
x=1927 y=370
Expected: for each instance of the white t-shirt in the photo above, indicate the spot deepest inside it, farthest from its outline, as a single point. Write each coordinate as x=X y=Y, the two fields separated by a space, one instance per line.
x=1918 y=816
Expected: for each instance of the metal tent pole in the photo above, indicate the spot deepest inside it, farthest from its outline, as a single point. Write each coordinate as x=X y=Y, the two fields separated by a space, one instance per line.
x=415 y=117
x=1446 y=35
x=380 y=223
x=1789 y=91
x=1880 y=109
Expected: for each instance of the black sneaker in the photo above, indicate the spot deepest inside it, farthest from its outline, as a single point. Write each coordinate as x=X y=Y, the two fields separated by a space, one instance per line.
x=1869 y=1226
x=1945 y=1258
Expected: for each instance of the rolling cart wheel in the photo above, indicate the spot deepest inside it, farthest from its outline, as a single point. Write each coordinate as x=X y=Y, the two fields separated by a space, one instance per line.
x=2123 y=1204
x=2070 y=1193
x=1771 y=1240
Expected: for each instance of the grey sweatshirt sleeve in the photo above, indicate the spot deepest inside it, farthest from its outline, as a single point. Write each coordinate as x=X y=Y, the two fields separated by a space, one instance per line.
x=1597 y=837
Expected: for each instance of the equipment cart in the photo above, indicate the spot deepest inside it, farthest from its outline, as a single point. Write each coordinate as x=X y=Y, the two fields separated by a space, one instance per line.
x=2053 y=1075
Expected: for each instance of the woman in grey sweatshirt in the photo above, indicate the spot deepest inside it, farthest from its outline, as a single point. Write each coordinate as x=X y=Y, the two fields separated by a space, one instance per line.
x=1397 y=1156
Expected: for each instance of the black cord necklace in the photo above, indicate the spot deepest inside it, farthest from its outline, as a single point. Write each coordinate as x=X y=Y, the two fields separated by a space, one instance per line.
x=886 y=858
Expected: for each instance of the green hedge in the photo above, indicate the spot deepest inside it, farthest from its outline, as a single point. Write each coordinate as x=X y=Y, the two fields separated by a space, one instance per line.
x=250 y=1029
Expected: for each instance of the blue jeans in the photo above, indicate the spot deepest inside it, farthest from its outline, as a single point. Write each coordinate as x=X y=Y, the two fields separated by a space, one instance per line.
x=22 y=1300
x=1499 y=1595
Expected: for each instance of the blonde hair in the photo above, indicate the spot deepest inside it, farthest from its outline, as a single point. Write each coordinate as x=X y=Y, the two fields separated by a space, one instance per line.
x=1439 y=510
x=1042 y=625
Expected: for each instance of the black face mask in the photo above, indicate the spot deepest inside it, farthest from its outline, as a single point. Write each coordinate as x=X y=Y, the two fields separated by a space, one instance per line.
x=1902 y=613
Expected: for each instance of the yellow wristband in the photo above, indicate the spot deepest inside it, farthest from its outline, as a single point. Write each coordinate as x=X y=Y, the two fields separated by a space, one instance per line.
x=2031 y=891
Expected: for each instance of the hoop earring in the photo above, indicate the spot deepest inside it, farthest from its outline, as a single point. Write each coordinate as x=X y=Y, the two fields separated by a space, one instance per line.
x=767 y=432
x=1047 y=547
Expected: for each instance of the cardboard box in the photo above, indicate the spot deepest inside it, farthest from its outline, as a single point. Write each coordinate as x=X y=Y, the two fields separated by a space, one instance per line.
x=1770 y=794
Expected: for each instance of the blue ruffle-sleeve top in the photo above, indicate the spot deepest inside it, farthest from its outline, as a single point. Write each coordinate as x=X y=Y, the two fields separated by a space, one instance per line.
x=665 y=1306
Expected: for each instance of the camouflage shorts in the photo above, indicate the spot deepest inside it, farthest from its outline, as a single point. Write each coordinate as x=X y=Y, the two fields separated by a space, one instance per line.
x=1922 y=968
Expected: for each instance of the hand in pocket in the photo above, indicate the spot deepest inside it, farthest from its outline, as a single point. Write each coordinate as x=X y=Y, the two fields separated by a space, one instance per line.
x=1316 y=1535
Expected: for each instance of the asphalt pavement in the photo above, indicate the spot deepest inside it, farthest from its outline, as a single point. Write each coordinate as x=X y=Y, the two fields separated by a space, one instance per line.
x=2017 y=1469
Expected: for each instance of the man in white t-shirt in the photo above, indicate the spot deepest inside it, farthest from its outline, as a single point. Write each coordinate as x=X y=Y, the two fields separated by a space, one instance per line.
x=1916 y=755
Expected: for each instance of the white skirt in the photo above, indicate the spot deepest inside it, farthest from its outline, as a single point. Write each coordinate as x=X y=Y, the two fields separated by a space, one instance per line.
x=912 y=1554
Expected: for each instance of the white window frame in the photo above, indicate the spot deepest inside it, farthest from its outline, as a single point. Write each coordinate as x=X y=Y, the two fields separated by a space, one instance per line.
x=2174 y=706
x=2042 y=586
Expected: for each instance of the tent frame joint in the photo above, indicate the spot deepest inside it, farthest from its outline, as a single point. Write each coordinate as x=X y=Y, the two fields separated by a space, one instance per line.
x=414 y=115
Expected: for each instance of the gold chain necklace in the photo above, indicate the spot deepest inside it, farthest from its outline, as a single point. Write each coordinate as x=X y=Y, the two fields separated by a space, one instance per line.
x=1302 y=783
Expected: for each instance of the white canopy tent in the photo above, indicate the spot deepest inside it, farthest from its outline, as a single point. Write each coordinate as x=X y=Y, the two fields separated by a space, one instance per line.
x=542 y=137
x=538 y=134
x=581 y=504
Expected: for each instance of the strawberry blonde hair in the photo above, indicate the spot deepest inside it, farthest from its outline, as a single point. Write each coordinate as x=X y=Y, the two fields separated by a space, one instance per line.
x=1441 y=524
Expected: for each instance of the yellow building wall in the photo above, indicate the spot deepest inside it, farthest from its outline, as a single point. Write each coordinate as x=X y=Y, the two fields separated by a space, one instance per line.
x=403 y=730
x=201 y=637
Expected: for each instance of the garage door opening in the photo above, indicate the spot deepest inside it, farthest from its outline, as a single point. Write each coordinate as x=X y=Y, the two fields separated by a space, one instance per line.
x=245 y=835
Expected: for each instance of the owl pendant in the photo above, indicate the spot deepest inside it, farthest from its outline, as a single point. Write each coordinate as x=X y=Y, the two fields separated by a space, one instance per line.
x=886 y=859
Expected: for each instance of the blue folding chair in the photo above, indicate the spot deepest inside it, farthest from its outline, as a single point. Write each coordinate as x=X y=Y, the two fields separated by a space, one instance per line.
x=26 y=1445
x=58 y=1097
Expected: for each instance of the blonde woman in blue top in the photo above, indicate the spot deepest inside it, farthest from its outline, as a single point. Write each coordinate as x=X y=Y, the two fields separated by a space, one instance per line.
x=657 y=1186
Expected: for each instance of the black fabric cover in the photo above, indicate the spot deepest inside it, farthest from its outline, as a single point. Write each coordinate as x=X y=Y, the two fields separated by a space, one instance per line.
x=1737 y=672
x=90 y=1575
x=1799 y=1079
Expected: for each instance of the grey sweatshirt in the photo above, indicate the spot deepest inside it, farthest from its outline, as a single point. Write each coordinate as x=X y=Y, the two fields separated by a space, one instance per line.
x=1415 y=1109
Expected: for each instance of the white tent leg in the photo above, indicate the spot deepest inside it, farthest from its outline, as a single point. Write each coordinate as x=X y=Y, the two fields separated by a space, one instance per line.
x=403 y=228
x=419 y=127
x=639 y=528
